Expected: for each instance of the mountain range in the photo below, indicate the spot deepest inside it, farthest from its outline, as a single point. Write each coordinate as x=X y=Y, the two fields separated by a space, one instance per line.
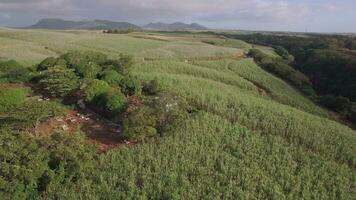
x=53 y=23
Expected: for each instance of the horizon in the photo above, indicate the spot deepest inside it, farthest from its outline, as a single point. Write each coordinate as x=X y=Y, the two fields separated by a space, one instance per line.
x=256 y=15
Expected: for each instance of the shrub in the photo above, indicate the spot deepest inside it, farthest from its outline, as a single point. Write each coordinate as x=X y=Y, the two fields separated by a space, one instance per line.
x=75 y=59
x=352 y=114
x=32 y=112
x=94 y=89
x=13 y=72
x=152 y=87
x=337 y=104
x=131 y=85
x=111 y=76
x=11 y=98
x=59 y=81
x=112 y=101
x=139 y=124
x=169 y=109
x=47 y=63
x=88 y=70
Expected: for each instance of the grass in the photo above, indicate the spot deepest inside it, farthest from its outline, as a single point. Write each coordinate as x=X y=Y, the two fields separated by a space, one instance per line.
x=31 y=46
x=239 y=44
x=254 y=136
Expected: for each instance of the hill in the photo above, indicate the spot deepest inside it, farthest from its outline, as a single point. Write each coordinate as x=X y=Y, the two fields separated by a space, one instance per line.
x=174 y=26
x=94 y=24
x=247 y=133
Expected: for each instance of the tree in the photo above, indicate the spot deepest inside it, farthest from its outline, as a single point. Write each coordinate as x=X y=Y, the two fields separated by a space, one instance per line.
x=59 y=81
x=47 y=63
x=13 y=72
x=111 y=76
x=94 y=89
x=139 y=124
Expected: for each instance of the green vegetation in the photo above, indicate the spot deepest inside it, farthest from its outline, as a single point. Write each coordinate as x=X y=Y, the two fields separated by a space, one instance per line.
x=59 y=81
x=200 y=125
x=11 y=98
x=13 y=72
x=328 y=61
x=280 y=68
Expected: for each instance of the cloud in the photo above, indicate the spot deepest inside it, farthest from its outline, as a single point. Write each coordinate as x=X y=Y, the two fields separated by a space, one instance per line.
x=219 y=13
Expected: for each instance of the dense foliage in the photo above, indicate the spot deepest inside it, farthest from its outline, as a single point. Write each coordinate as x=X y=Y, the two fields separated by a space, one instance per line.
x=11 y=98
x=328 y=61
x=13 y=72
x=283 y=70
x=59 y=81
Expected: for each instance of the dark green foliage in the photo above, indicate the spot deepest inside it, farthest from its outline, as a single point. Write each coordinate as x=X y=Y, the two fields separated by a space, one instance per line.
x=331 y=72
x=22 y=163
x=283 y=70
x=11 y=98
x=47 y=63
x=76 y=59
x=13 y=72
x=352 y=113
x=338 y=104
x=139 y=124
x=152 y=87
x=131 y=85
x=88 y=70
x=31 y=113
x=31 y=168
x=59 y=81
x=111 y=76
x=112 y=101
x=119 y=31
x=94 y=89
x=284 y=54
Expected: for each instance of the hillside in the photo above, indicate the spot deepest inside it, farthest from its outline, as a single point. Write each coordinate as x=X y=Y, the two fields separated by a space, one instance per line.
x=174 y=26
x=95 y=24
x=245 y=133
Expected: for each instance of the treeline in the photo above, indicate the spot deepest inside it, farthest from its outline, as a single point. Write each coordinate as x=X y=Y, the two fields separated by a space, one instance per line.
x=329 y=61
x=119 y=31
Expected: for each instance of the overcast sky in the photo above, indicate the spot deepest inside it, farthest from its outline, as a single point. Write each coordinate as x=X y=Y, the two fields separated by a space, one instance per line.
x=283 y=15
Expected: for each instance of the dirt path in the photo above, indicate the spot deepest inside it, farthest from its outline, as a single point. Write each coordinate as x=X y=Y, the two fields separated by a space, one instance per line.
x=105 y=134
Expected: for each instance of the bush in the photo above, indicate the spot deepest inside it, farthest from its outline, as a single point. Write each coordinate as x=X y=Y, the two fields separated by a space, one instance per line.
x=47 y=63
x=337 y=104
x=94 y=89
x=59 y=81
x=88 y=70
x=75 y=59
x=152 y=87
x=130 y=85
x=139 y=124
x=31 y=113
x=11 y=98
x=113 y=101
x=352 y=114
x=169 y=109
x=111 y=76
x=13 y=72
x=36 y=168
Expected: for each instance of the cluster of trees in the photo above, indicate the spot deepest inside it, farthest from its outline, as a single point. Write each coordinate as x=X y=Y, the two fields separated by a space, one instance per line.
x=37 y=167
x=119 y=31
x=282 y=69
x=328 y=61
x=104 y=85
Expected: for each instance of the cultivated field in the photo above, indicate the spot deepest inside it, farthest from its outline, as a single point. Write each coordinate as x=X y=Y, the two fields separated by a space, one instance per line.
x=253 y=136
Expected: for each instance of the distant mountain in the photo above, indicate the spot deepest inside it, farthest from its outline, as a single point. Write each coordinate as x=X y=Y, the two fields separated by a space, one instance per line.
x=94 y=24
x=174 y=26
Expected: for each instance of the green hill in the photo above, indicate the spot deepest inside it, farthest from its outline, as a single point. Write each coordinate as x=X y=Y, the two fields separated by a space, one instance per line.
x=249 y=134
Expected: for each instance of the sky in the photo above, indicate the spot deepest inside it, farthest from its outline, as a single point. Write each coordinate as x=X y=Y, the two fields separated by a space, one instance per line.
x=269 y=15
